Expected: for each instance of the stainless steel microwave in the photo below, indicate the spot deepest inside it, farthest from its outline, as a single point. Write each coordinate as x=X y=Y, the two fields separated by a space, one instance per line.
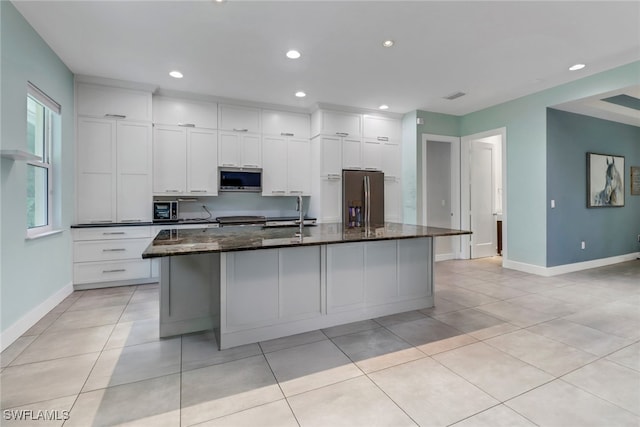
x=165 y=211
x=240 y=179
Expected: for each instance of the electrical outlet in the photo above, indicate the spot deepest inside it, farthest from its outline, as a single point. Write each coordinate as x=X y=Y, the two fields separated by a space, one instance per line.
x=583 y=245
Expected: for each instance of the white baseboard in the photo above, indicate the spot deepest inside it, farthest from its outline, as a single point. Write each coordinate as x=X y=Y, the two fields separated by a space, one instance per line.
x=568 y=268
x=13 y=332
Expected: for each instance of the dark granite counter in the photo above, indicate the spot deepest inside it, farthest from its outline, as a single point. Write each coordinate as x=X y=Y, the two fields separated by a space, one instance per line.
x=171 y=242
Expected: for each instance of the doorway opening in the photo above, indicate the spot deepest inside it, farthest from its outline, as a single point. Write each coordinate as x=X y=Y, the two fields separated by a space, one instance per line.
x=483 y=190
x=440 y=190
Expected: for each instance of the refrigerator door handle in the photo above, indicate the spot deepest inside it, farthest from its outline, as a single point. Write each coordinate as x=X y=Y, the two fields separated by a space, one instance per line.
x=367 y=201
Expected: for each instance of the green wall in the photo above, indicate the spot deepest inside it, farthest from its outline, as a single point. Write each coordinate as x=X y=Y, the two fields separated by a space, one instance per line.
x=32 y=270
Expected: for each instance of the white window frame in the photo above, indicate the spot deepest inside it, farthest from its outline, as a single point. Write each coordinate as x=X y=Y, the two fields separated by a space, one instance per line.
x=46 y=161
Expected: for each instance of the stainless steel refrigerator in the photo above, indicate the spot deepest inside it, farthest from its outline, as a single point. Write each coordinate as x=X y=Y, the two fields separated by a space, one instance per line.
x=362 y=198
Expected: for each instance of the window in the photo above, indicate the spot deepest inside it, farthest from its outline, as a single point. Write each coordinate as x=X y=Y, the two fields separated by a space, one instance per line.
x=42 y=126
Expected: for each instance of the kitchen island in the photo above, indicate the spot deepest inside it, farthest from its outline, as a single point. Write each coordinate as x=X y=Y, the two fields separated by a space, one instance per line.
x=252 y=284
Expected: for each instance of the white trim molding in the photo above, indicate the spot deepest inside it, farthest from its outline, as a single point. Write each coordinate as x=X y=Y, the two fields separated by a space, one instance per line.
x=568 y=268
x=13 y=332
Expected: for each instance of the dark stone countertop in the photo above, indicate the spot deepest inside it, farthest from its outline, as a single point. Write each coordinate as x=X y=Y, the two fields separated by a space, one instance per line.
x=171 y=242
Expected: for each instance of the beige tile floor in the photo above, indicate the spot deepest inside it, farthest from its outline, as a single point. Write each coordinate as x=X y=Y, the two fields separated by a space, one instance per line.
x=500 y=348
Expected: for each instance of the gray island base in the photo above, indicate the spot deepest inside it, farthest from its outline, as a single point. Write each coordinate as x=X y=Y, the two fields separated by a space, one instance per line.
x=250 y=284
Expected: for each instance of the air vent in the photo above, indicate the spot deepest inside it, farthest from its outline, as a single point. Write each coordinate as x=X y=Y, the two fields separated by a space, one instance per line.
x=454 y=95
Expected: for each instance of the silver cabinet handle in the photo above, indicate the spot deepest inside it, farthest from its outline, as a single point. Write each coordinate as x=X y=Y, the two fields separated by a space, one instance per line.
x=240 y=130
x=383 y=138
x=131 y=220
x=114 y=250
x=296 y=192
x=102 y=221
x=228 y=164
x=286 y=134
x=171 y=191
x=117 y=270
x=277 y=192
x=342 y=133
x=187 y=125
x=116 y=116
x=197 y=191
x=371 y=169
x=352 y=167
x=111 y=233
x=250 y=166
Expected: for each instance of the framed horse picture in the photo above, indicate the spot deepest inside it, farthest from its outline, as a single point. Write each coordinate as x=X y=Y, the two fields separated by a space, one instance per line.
x=605 y=180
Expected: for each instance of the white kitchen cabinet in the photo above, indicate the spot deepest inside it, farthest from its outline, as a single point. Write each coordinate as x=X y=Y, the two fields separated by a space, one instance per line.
x=381 y=272
x=111 y=102
x=169 y=160
x=415 y=277
x=330 y=208
x=298 y=166
x=104 y=256
x=330 y=155
x=183 y=112
x=383 y=128
x=113 y=171
x=269 y=287
x=336 y=123
x=185 y=161
x=239 y=119
x=239 y=149
x=372 y=154
x=391 y=159
x=96 y=171
x=351 y=153
x=286 y=169
x=280 y=123
x=202 y=161
x=274 y=166
x=133 y=172
x=345 y=277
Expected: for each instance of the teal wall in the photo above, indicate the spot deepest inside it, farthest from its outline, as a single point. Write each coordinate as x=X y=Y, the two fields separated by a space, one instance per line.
x=526 y=123
x=32 y=270
x=607 y=232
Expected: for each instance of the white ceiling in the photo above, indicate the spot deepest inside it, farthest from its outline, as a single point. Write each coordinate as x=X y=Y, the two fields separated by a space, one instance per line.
x=493 y=51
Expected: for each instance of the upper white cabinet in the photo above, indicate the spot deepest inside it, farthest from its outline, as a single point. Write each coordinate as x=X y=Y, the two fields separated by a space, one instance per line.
x=113 y=171
x=372 y=154
x=351 y=153
x=285 y=124
x=185 y=161
x=239 y=119
x=110 y=102
x=237 y=149
x=286 y=168
x=330 y=155
x=336 y=123
x=188 y=113
x=382 y=128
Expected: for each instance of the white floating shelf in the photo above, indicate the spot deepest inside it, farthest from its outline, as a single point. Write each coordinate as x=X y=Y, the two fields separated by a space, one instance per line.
x=19 y=155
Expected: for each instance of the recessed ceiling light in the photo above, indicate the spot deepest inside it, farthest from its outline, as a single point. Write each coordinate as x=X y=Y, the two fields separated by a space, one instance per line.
x=388 y=43
x=293 y=54
x=300 y=94
x=176 y=74
x=220 y=1
x=384 y=107
x=576 y=67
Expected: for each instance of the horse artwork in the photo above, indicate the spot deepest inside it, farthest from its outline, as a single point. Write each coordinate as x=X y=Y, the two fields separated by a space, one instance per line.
x=605 y=180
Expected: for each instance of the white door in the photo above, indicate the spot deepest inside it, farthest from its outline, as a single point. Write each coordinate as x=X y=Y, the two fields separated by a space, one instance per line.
x=274 y=167
x=134 y=172
x=202 y=162
x=169 y=160
x=483 y=220
x=298 y=166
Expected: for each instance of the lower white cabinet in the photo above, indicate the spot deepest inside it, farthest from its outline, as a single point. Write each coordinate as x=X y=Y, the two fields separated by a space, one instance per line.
x=345 y=277
x=110 y=256
x=271 y=286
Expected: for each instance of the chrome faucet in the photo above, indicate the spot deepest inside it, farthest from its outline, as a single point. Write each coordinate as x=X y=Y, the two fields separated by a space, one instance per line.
x=300 y=209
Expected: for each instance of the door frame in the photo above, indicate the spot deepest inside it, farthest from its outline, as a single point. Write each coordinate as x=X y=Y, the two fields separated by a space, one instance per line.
x=466 y=193
x=454 y=142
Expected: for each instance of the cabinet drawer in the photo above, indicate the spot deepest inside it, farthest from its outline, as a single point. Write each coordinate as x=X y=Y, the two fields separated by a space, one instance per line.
x=110 y=271
x=104 y=233
x=109 y=250
x=101 y=101
x=239 y=119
